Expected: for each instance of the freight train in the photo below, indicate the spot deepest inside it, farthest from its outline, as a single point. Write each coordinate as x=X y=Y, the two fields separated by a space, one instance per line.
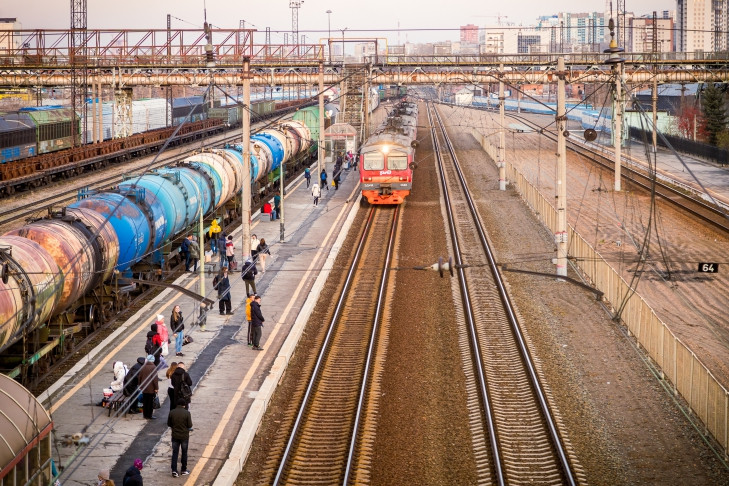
x=20 y=135
x=387 y=158
x=68 y=272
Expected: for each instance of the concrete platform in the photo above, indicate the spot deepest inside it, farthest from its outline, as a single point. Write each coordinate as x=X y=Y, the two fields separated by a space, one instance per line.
x=232 y=382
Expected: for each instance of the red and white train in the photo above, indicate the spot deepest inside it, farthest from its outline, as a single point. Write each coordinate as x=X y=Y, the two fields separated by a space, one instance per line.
x=387 y=158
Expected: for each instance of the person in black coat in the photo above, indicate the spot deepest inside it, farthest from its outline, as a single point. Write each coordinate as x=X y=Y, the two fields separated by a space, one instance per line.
x=180 y=421
x=131 y=384
x=133 y=476
x=179 y=377
x=257 y=322
x=222 y=285
x=249 y=276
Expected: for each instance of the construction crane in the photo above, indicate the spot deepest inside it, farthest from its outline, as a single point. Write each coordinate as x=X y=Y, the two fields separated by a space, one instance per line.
x=498 y=17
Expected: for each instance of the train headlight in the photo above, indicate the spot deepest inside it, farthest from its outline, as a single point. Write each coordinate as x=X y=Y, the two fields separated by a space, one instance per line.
x=385 y=149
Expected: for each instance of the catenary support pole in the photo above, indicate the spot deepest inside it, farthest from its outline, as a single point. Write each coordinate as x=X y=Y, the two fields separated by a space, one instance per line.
x=101 y=112
x=502 y=135
x=654 y=99
x=618 y=128
x=560 y=236
x=245 y=193
x=320 y=141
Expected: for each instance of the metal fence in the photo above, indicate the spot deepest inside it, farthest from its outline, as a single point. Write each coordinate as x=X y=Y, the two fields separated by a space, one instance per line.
x=690 y=378
x=698 y=149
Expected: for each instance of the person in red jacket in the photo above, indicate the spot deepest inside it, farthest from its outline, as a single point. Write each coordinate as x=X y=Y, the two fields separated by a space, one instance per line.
x=153 y=345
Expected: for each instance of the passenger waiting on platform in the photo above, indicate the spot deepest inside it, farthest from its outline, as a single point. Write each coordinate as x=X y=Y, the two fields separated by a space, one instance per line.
x=335 y=178
x=257 y=322
x=324 y=179
x=120 y=372
x=263 y=252
x=133 y=476
x=248 y=318
x=178 y=328
x=221 y=245
x=182 y=383
x=277 y=205
x=185 y=252
x=307 y=176
x=316 y=192
x=154 y=344
x=214 y=233
x=164 y=334
x=180 y=421
x=222 y=285
x=170 y=386
x=149 y=383
x=230 y=250
x=249 y=273
x=131 y=385
x=254 y=246
x=194 y=253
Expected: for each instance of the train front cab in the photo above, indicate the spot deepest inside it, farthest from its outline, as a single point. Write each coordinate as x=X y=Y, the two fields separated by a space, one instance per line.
x=386 y=176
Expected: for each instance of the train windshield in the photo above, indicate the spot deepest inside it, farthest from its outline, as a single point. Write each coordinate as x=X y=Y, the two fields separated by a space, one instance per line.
x=374 y=161
x=397 y=161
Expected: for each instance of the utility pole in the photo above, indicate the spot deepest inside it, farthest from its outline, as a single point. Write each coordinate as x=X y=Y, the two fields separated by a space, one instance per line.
x=245 y=192
x=654 y=94
x=502 y=135
x=617 y=66
x=560 y=237
x=320 y=151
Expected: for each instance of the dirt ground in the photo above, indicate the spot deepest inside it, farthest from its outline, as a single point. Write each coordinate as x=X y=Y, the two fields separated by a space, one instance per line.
x=620 y=423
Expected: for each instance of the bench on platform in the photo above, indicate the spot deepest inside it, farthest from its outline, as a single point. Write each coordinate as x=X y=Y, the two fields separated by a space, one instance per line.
x=117 y=402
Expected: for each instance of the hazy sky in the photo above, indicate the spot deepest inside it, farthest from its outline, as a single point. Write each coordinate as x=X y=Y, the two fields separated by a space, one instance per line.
x=374 y=15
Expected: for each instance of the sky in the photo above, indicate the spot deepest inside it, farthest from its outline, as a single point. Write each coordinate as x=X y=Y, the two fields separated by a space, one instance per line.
x=379 y=17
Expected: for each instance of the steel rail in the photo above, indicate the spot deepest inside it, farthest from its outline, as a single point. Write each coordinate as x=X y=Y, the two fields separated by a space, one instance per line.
x=513 y=321
x=468 y=310
x=326 y=344
x=716 y=216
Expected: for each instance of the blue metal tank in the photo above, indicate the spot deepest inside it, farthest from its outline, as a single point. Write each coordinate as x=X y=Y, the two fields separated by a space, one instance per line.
x=223 y=167
x=187 y=181
x=256 y=171
x=273 y=145
x=213 y=178
x=169 y=192
x=152 y=205
x=129 y=223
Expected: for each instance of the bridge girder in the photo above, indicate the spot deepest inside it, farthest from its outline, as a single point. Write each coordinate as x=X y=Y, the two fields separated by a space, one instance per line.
x=380 y=75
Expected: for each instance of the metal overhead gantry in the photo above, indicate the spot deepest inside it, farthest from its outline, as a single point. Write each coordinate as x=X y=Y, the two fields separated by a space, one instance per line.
x=155 y=57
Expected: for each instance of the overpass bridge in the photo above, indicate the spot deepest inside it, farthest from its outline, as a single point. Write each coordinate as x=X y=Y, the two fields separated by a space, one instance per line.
x=167 y=57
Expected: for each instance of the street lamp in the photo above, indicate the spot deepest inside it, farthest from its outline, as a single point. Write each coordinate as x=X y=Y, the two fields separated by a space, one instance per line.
x=329 y=41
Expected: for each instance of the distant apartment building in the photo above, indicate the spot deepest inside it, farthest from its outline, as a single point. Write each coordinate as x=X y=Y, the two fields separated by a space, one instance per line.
x=698 y=24
x=469 y=34
x=509 y=39
x=575 y=32
x=642 y=34
x=9 y=40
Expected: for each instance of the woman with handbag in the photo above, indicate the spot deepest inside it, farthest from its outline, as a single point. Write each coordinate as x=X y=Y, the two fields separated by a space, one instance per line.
x=164 y=334
x=263 y=252
x=178 y=328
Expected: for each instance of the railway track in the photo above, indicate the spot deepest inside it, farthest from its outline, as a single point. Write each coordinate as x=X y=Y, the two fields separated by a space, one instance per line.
x=515 y=436
x=323 y=445
x=683 y=198
x=102 y=182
